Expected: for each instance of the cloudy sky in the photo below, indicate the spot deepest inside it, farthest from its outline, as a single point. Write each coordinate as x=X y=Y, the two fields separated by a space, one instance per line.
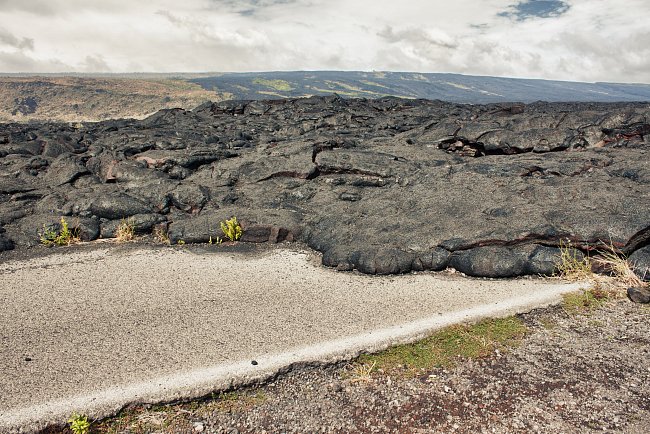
x=584 y=40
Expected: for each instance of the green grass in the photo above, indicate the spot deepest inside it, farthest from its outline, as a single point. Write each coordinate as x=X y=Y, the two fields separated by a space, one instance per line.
x=448 y=346
x=269 y=93
x=586 y=301
x=349 y=94
x=349 y=87
x=179 y=84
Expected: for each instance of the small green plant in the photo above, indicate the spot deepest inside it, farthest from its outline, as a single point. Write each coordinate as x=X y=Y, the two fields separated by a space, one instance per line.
x=79 y=424
x=180 y=243
x=125 y=230
x=572 y=265
x=62 y=237
x=231 y=229
x=217 y=240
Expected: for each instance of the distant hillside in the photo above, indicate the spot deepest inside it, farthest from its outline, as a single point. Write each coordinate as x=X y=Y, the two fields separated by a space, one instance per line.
x=447 y=87
x=94 y=97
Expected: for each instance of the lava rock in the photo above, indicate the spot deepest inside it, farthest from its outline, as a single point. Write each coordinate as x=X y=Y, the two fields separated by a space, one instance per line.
x=196 y=229
x=382 y=186
x=435 y=259
x=6 y=243
x=383 y=261
x=63 y=170
x=544 y=260
x=350 y=196
x=490 y=261
x=190 y=197
x=87 y=229
x=256 y=233
x=639 y=295
x=640 y=261
x=118 y=206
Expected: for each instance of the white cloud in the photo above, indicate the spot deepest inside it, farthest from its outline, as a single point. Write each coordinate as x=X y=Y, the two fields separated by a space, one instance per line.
x=591 y=40
x=95 y=63
x=10 y=40
x=20 y=62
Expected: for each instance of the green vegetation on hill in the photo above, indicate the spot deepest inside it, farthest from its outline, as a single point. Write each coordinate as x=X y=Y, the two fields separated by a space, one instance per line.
x=280 y=85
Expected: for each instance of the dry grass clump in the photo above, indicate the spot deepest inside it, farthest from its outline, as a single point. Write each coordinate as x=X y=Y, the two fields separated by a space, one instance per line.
x=178 y=417
x=362 y=372
x=160 y=235
x=125 y=231
x=572 y=265
x=619 y=268
x=615 y=275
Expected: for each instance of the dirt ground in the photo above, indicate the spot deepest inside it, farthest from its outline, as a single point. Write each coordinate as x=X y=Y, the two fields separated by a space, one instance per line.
x=576 y=370
x=91 y=99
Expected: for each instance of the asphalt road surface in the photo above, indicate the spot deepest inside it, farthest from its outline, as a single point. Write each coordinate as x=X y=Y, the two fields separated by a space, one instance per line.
x=93 y=329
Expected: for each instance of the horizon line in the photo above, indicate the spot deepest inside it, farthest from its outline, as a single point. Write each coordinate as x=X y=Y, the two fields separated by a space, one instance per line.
x=209 y=73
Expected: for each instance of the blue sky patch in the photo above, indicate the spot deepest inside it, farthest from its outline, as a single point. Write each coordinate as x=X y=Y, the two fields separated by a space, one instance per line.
x=528 y=9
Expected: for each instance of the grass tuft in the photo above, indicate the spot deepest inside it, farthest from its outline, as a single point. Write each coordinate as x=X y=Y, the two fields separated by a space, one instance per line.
x=447 y=346
x=619 y=268
x=572 y=265
x=362 y=372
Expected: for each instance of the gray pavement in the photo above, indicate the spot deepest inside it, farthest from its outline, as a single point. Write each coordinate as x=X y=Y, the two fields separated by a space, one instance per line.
x=91 y=330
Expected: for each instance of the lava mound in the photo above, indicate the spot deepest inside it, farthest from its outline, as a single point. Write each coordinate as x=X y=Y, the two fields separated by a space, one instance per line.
x=381 y=186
